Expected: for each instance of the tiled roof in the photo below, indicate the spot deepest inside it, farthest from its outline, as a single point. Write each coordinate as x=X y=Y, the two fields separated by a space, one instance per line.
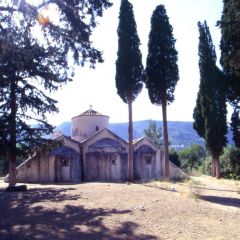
x=91 y=112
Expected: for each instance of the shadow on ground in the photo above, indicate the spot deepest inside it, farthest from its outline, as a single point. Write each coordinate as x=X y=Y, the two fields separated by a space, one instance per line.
x=212 y=189
x=233 y=202
x=22 y=219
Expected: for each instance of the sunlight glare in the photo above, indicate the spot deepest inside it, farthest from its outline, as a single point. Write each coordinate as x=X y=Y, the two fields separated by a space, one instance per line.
x=48 y=14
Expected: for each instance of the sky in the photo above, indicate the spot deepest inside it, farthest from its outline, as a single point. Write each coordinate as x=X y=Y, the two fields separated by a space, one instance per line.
x=96 y=87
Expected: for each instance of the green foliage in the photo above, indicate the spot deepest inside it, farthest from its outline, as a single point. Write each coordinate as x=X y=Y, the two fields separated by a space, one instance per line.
x=23 y=67
x=211 y=101
x=161 y=69
x=230 y=163
x=199 y=123
x=230 y=42
x=32 y=64
x=129 y=69
x=154 y=133
x=235 y=127
x=174 y=157
x=71 y=31
x=205 y=167
x=230 y=58
x=192 y=157
x=4 y=165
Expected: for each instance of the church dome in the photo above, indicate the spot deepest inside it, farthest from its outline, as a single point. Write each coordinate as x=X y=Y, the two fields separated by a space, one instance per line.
x=87 y=123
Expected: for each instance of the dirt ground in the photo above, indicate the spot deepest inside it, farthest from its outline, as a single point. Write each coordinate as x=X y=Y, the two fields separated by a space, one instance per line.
x=201 y=208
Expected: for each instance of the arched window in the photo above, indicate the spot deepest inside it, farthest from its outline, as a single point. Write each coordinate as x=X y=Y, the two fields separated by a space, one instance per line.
x=97 y=128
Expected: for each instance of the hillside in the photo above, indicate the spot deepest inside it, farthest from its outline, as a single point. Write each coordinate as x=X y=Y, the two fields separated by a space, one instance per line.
x=181 y=134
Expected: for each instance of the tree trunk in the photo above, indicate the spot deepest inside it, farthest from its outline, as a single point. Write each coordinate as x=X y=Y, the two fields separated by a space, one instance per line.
x=12 y=142
x=213 y=168
x=217 y=167
x=130 y=141
x=165 y=136
x=12 y=170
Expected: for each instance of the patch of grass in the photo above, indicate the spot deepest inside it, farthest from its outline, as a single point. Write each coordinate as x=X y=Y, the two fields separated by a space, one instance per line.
x=179 y=179
x=193 y=195
x=192 y=181
x=189 y=193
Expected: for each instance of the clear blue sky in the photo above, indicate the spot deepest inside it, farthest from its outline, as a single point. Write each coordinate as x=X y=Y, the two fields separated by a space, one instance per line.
x=97 y=87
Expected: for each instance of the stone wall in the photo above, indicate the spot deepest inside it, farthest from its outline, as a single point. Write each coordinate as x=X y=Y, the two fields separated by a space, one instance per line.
x=60 y=165
x=37 y=169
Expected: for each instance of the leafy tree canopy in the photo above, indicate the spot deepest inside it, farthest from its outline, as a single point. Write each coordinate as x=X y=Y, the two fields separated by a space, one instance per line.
x=67 y=24
x=230 y=163
x=34 y=51
x=154 y=133
x=192 y=156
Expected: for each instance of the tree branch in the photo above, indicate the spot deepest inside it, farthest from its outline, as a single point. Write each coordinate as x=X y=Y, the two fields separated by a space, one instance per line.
x=7 y=9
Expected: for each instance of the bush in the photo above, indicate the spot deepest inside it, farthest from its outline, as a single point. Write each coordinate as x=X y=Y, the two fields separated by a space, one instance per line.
x=174 y=157
x=230 y=163
x=192 y=157
x=205 y=167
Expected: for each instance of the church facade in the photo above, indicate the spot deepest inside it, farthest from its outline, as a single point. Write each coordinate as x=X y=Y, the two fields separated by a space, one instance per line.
x=94 y=153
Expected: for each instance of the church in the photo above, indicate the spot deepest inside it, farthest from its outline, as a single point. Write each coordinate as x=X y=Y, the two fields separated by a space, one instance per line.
x=94 y=153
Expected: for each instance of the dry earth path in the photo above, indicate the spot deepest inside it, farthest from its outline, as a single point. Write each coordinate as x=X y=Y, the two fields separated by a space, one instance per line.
x=202 y=208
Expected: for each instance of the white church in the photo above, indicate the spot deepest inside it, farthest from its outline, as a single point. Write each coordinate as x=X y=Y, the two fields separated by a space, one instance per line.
x=94 y=153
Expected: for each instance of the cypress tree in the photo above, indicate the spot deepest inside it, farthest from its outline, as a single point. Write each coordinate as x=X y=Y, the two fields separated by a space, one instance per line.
x=129 y=69
x=230 y=41
x=230 y=59
x=161 y=68
x=210 y=111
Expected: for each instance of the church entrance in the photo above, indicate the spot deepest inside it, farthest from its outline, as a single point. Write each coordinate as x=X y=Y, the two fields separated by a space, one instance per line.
x=106 y=167
x=62 y=169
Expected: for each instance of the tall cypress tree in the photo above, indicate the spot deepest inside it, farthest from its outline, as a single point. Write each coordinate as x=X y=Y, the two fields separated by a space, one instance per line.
x=129 y=69
x=230 y=41
x=210 y=111
x=230 y=59
x=162 y=68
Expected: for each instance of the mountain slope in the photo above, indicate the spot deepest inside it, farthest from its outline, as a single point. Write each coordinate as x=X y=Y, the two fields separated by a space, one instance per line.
x=181 y=134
